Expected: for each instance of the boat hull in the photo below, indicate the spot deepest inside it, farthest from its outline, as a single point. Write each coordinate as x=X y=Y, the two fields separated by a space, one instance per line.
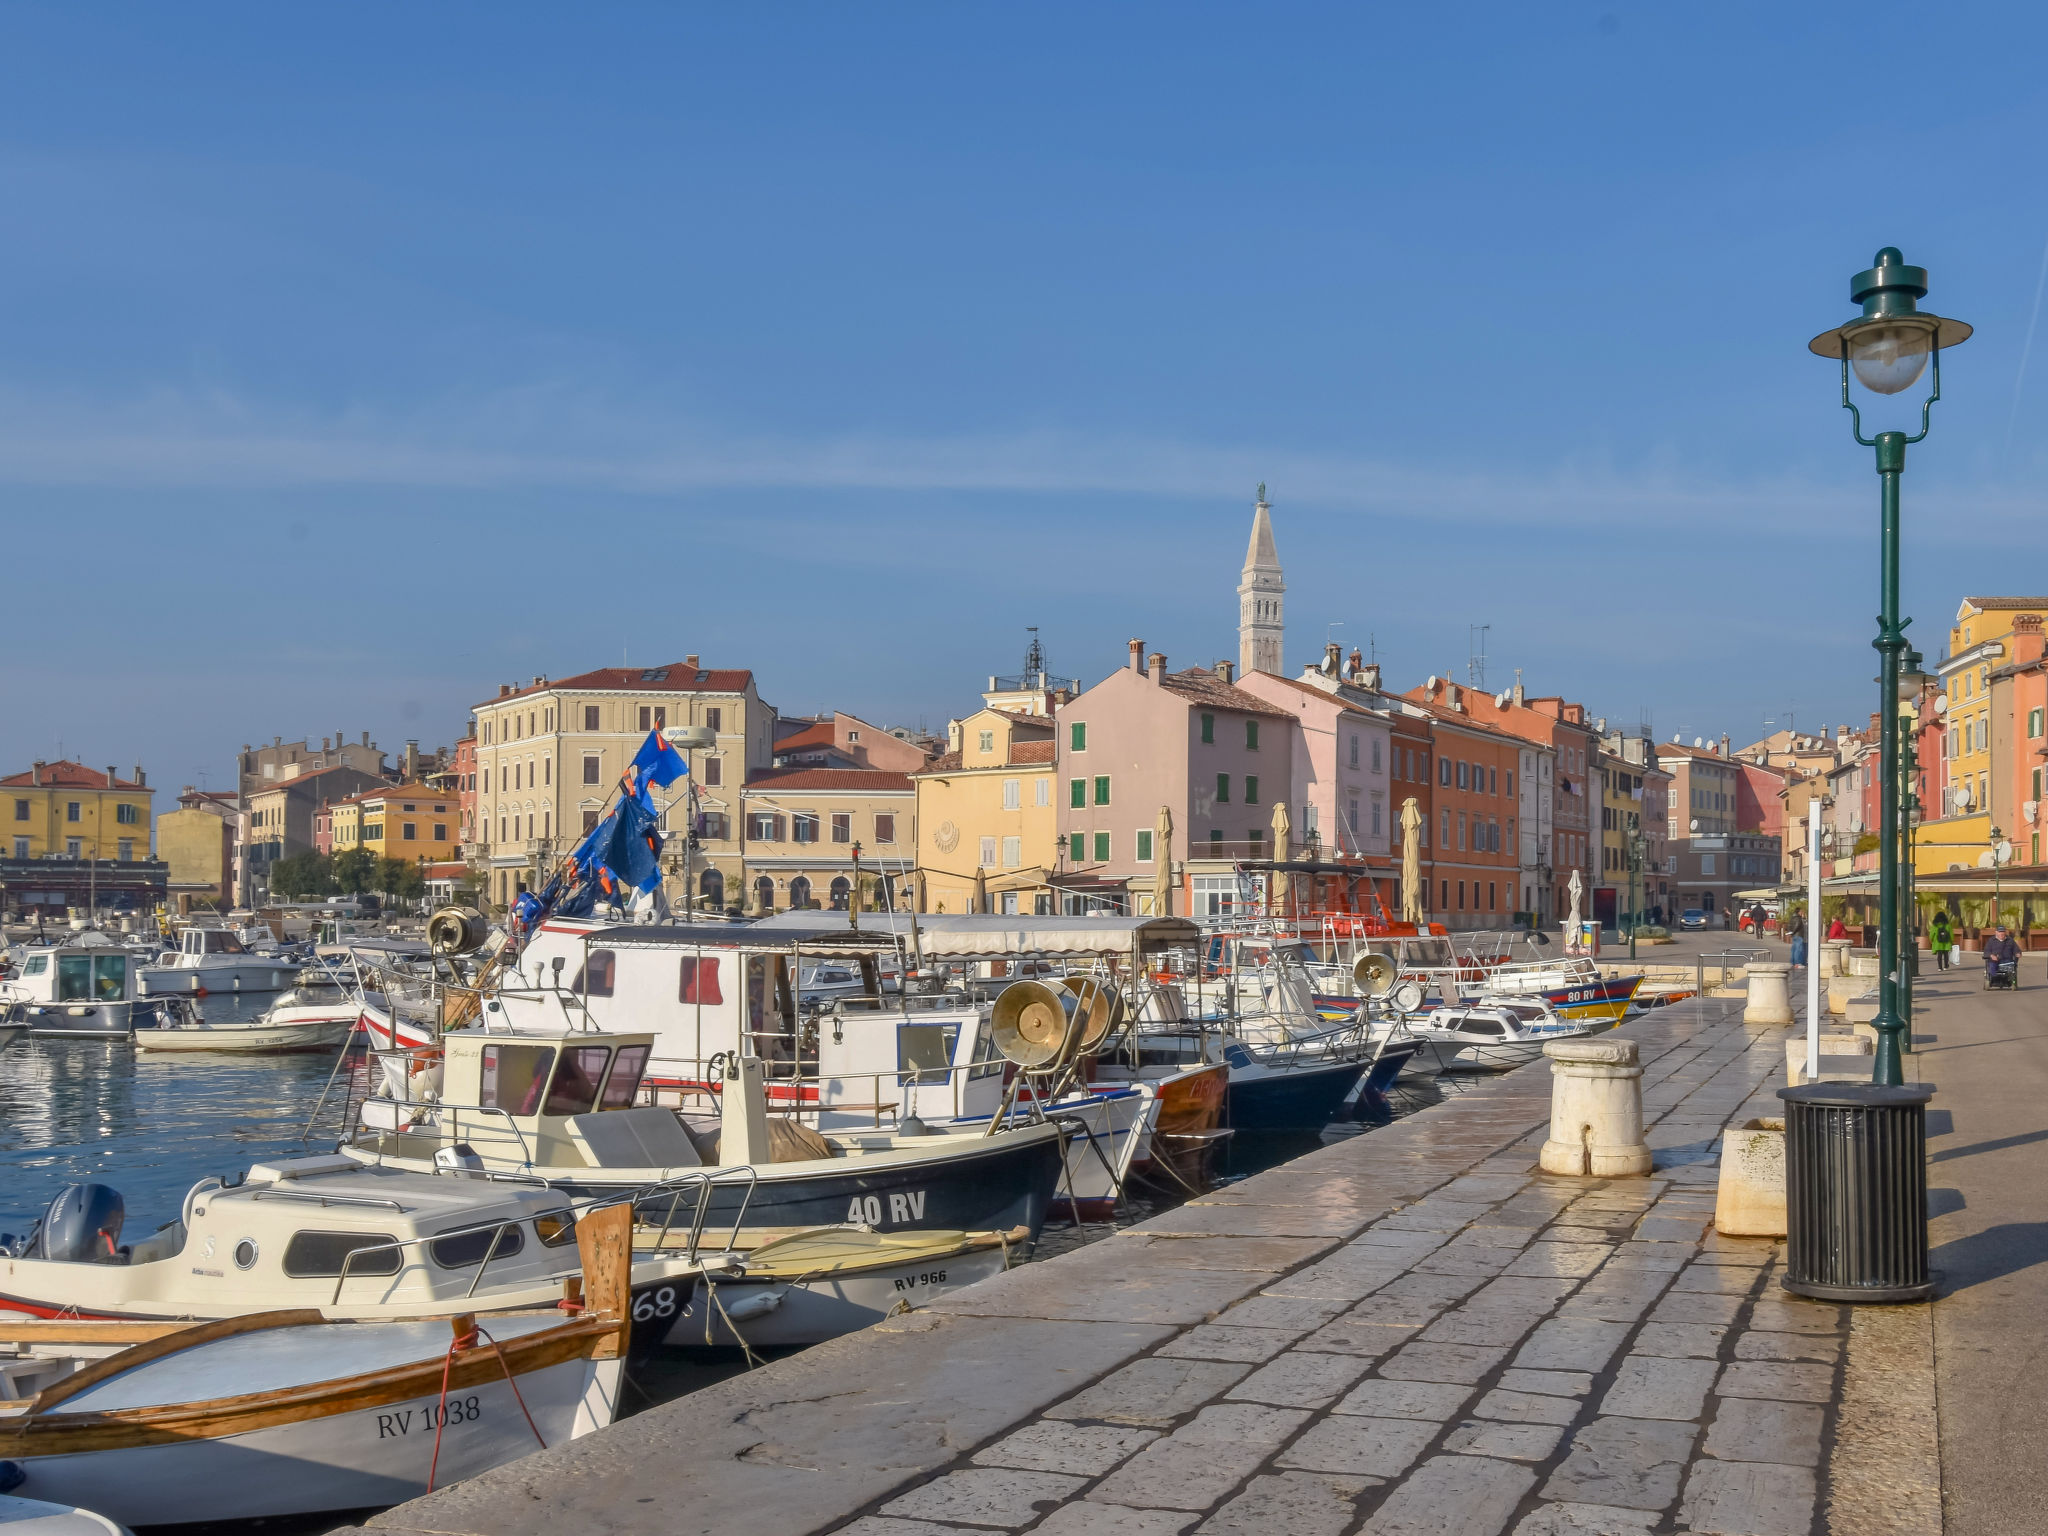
x=88 y=1021
x=1292 y=1098
x=197 y=981
x=249 y=1039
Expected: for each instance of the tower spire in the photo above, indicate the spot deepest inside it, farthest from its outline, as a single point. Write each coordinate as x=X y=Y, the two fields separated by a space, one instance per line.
x=1261 y=598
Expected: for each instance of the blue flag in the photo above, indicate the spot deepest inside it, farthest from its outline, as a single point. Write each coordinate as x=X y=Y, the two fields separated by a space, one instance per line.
x=656 y=763
x=632 y=854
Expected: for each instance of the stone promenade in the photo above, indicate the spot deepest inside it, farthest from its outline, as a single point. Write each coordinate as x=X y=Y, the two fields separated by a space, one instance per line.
x=1410 y=1333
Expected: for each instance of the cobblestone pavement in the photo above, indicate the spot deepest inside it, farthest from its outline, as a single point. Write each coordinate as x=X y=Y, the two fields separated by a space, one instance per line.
x=1412 y=1331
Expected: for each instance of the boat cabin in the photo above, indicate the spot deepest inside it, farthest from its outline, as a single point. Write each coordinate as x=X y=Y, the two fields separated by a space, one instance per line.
x=76 y=973
x=195 y=944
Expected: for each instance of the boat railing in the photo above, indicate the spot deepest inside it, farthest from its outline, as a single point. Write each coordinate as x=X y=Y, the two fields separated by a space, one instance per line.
x=314 y=1197
x=691 y=1078
x=452 y=1126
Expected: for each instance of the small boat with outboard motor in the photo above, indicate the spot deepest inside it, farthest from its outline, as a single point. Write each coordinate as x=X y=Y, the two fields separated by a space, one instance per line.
x=210 y=959
x=292 y=1413
x=1490 y=1034
x=84 y=987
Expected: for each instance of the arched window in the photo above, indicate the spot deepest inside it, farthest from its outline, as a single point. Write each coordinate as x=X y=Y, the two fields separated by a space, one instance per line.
x=800 y=892
x=841 y=889
x=711 y=889
x=764 y=890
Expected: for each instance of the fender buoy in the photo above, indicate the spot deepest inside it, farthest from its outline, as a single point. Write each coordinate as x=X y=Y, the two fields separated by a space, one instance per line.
x=199 y=991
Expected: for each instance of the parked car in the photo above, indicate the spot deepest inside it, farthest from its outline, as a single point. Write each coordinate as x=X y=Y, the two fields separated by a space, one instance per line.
x=1692 y=917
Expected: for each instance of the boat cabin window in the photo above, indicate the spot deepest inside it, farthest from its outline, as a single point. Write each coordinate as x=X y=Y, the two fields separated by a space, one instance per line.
x=212 y=941
x=110 y=977
x=624 y=1082
x=37 y=965
x=320 y=1255
x=90 y=978
x=574 y=1091
x=699 y=982
x=1427 y=952
x=557 y=1229
x=1474 y=1025
x=771 y=1009
x=513 y=1076
x=74 y=978
x=467 y=1248
x=1300 y=954
x=924 y=1052
x=595 y=977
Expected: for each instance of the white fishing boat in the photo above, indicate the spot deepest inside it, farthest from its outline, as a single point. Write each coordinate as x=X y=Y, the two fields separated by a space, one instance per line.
x=85 y=987
x=215 y=960
x=1491 y=1035
x=284 y=1413
x=247 y=1037
x=34 y=1517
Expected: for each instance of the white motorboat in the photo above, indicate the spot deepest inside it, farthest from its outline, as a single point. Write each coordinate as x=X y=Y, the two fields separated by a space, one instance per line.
x=84 y=987
x=215 y=960
x=1495 y=1034
x=33 y=1517
x=282 y=1413
x=267 y=1036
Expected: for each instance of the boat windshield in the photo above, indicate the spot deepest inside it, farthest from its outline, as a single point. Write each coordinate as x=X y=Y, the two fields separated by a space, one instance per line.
x=1430 y=952
x=574 y=1091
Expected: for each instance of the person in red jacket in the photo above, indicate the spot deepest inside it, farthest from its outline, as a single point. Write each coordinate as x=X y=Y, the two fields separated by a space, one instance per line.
x=1836 y=930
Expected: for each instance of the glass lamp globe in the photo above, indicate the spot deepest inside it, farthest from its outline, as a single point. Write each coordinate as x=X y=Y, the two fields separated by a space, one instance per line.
x=1889 y=358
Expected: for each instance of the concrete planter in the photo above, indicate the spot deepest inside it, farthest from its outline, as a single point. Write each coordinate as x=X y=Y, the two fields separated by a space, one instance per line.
x=1769 y=1001
x=1596 y=1110
x=1843 y=1059
x=1751 y=1199
x=1863 y=962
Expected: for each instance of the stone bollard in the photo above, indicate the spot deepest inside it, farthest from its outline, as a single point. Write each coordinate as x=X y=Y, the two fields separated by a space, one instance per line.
x=1750 y=1201
x=1596 y=1109
x=1834 y=957
x=1769 y=1002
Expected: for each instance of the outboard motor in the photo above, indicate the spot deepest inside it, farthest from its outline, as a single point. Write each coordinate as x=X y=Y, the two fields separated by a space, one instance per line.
x=459 y=1160
x=82 y=1226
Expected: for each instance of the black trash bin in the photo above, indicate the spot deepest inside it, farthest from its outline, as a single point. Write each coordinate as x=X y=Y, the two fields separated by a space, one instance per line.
x=1856 y=1191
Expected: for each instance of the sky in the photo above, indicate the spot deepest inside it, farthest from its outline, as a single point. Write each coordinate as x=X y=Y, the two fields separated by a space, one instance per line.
x=355 y=360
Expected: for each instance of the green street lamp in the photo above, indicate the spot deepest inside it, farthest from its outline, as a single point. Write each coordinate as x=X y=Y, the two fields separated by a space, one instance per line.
x=1888 y=348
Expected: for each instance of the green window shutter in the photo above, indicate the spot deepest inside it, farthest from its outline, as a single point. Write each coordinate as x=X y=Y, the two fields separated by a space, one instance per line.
x=1251 y=735
x=1077 y=793
x=1216 y=839
x=1102 y=847
x=1251 y=789
x=1077 y=736
x=1208 y=728
x=1102 y=789
x=1144 y=846
x=1222 y=788
x=1077 y=847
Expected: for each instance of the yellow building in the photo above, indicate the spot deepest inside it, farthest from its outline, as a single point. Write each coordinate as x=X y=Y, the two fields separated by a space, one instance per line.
x=986 y=810
x=197 y=841
x=409 y=822
x=1971 y=788
x=67 y=810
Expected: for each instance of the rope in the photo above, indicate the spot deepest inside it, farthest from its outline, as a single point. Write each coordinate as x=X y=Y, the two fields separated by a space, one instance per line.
x=462 y=1341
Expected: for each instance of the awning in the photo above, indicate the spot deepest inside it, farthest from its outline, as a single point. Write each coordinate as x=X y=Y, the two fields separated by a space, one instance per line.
x=945 y=935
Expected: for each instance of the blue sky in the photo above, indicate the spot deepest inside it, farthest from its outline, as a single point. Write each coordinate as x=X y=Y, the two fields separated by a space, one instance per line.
x=353 y=360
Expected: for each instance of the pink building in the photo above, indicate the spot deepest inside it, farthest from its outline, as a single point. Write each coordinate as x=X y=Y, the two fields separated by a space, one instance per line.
x=1217 y=757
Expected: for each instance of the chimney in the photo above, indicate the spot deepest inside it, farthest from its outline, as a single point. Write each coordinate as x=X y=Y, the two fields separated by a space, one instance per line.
x=35 y=772
x=1357 y=662
x=1369 y=675
x=366 y=738
x=1724 y=743
x=1518 y=687
x=412 y=762
x=1332 y=659
x=1137 y=656
x=277 y=741
x=538 y=681
x=2029 y=644
x=690 y=661
x=504 y=689
x=141 y=778
x=111 y=780
x=1158 y=668
x=1227 y=670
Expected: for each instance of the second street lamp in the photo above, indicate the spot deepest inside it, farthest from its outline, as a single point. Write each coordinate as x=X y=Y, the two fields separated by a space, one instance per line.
x=1888 y=347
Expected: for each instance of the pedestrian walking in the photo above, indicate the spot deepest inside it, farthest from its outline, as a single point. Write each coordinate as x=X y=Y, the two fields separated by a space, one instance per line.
x=1941 y=938
x=1795 y=929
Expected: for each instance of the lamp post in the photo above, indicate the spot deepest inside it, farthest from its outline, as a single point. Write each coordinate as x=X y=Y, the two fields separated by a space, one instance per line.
x=1888 y=347
x=1997 y=871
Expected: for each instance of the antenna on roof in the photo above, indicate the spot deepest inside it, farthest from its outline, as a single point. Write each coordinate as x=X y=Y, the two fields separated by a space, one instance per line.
x=1475 y=664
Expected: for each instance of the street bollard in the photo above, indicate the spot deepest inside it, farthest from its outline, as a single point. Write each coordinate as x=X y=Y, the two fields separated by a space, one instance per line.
x=1596 y=1110
x=1769 y=1000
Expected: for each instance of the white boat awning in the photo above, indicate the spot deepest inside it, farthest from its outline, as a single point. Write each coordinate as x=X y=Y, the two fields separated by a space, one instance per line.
x=943 y=935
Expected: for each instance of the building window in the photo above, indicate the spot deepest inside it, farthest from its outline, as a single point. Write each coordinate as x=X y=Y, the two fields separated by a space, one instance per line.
x=590 y=718
x=885 y=827
x=1102 y=847
x=21 y=847
x=842 y=826
x=715 y=825
x=1077 y=793
x=1375 y=754
x=1463 y=782
x=1044 y=795
x=1351 y=815
x=646 y=718
x=2034 y=723
x=1251 y=735
x=1013 y=852
x=803 y=826
x=127 y=850
x=1251 y=789
x=1208 y=728
x=1443 y=772
x=1077 y=736
x=21 y=810
x=128 y=815
x=408 y=831
x=713 y=717
x=590 y=821
x=1443 y=900
x=593 y=768
x=1222 y=789
x=764 y=827
x=988 y=853
x=1013 y=794
x=988 y=741
x=1215 y=844
x=1445 y=840
x=547 y=770
x=1375 y=817
x=1461 y=893
x=1706 y=864
x=714 y=772
x=1492 y=781
x=440 y=831
x=71 y=811
x=1102 y=789
x=1144 y=845
x=1077 y=847
x=1354 y=749
x=73 y=847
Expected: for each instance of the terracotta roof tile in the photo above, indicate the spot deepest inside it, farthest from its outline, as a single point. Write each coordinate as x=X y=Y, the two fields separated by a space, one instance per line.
x=673 y=677
x=1205 y=687
x=65 y=774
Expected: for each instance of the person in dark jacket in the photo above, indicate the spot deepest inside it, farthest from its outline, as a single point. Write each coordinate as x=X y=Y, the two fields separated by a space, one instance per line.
x=1998 y=949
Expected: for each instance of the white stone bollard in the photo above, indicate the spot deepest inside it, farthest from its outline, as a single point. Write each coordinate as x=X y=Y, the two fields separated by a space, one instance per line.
x=1834 y=957
x=1750 y=1201
x=1769 y=1001
x=1596 y=1109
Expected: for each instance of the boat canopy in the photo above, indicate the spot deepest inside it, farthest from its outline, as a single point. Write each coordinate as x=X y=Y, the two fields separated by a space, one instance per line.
x=945 y=935
x=809 y=934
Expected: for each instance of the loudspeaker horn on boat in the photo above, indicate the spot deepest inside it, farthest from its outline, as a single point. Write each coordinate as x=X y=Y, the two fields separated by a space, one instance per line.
x=1035 y=1025
x=1102 y=1007
x=457 y=931
x=1374 y=973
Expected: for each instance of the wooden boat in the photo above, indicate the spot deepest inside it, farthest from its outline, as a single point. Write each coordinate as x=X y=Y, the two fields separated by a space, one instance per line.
x=282 y=1413
x=253 y=1037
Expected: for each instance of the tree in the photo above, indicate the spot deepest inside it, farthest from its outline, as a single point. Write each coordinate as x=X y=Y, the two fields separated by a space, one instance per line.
x=400 y=880
x=355 y=870
x=302 y=875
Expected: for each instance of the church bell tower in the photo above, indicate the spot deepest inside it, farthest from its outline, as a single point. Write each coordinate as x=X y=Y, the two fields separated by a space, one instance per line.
x=1261 y=598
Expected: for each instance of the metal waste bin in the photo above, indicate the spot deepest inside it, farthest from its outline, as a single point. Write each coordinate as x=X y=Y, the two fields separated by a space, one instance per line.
x=1856 y=1191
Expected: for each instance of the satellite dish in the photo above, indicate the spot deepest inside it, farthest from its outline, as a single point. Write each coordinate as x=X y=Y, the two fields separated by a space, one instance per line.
x=2031 y=810
x=1695 y=824
x=1431 y=684
x=1500 y=700
x=1941 y=704
x=1985 y=860
x=2003 y=851
x=1962 y=797
x=1699 y=741
x=1408 y=996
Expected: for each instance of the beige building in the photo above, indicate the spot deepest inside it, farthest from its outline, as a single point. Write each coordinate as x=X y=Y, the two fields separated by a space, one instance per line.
x=986 y=813
x=260 y=767
x=197 y=842
x=277 y=820
x=803 y=825
x=549 y=757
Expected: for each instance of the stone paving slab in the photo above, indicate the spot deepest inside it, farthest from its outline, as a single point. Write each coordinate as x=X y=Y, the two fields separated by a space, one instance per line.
x=1412 y=1332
